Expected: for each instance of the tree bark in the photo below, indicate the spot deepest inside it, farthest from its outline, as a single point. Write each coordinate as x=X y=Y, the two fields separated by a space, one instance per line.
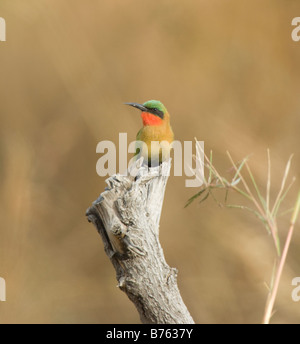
x=127 y=216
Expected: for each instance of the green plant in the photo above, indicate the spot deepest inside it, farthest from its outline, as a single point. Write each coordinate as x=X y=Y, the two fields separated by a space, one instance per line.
x=246 y=186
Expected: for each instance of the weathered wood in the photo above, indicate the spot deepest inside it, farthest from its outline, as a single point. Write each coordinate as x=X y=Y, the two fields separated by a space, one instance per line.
x=127 y=216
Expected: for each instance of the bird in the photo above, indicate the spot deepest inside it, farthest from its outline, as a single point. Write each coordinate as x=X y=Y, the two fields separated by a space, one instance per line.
x=156 y=130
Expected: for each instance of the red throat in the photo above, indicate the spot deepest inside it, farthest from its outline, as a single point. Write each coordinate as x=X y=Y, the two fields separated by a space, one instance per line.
x=150 y=119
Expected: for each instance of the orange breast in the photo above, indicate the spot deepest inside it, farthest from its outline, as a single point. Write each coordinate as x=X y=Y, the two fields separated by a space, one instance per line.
x=150 y=119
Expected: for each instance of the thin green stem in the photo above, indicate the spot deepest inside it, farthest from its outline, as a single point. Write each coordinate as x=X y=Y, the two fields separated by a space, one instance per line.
x=286 y=172
x=262 y=201
x=246 y=186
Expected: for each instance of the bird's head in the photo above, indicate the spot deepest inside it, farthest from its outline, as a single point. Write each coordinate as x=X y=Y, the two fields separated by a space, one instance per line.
x=153 y=112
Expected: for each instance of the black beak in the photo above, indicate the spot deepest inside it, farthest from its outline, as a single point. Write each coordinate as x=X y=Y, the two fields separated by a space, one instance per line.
x=138 y=106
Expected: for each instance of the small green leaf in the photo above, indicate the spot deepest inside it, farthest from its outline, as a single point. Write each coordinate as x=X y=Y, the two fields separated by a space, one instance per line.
x=204 y=198
x=198 y=194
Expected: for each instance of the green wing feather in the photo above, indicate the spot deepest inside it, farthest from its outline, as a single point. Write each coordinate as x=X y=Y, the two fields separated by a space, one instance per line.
x=138 y=138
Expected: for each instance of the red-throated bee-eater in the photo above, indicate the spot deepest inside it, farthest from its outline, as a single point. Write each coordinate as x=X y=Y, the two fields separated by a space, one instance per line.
x=156 y=130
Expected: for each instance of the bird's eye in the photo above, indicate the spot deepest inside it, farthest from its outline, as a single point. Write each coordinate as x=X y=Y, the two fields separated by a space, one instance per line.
x=154 y=109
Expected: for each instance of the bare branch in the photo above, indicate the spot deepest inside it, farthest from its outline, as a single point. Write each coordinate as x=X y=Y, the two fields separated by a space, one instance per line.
x=127 y=217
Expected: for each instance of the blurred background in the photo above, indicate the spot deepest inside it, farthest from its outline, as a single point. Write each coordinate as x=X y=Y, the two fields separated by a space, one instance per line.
x=228 y=72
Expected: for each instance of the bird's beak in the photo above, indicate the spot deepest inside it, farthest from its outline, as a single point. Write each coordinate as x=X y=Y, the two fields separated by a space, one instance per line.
x=138 y=106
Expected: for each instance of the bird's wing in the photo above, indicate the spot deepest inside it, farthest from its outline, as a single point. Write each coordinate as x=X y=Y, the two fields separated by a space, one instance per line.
x=138 y=135
x=137 y=145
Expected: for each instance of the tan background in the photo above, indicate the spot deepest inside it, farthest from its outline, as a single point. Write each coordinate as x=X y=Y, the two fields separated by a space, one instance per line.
x=228 y=72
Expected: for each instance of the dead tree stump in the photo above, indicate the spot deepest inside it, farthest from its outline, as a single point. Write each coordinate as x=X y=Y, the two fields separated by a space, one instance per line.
x=127 y=216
